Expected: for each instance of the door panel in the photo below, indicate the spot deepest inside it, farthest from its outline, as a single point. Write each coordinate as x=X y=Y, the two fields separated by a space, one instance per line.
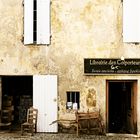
x=45 y=100
x=0 y=93
x=39 y=100
x=130 y=125
x=135 y=106
x=130 y=112
x=51 y=107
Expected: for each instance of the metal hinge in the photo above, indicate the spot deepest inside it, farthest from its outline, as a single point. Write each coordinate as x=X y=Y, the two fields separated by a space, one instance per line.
x=23 y=3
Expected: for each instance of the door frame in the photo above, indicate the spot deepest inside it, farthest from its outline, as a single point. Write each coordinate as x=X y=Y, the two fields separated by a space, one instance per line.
x=135 y=84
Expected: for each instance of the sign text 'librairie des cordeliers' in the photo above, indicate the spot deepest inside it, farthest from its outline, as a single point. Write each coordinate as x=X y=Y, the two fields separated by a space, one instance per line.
x=111 y=66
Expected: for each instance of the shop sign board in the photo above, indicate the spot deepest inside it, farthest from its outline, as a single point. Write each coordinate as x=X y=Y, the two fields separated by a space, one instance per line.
x=111 y=66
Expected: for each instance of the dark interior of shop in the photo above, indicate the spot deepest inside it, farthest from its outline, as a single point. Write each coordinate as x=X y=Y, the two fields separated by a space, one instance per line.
x=119 y=105
x=17 y=95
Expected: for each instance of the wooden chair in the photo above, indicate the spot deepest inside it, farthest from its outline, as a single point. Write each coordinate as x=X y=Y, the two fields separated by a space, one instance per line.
x=31 y=124
x=88 y=121
x=95 y=123
x=82 y=122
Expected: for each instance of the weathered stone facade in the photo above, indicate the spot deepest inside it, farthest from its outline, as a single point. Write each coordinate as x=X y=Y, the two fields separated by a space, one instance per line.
x=80 y=29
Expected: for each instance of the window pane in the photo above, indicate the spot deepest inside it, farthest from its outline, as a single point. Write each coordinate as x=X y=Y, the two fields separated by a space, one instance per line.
x=34 y=26
x=35 y=21
x=35 y=15
x=73 y=97
x=77 y=99
x=34 y=36
x=35 y=6
x=68 y=96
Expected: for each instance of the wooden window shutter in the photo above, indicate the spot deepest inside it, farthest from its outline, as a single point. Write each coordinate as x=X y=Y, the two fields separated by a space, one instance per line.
x=43 y=22
x=131 y=21
x=28 y=21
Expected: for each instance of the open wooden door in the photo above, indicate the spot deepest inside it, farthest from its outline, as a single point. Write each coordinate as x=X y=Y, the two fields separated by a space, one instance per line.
x=131 y=112
x=45 y=100
x=0 y=93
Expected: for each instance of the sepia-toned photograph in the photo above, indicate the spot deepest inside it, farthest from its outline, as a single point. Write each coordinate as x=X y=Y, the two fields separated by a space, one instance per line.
x=69 y=69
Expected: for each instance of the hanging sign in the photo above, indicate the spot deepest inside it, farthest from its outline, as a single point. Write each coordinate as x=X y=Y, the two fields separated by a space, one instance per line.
x=111 y=66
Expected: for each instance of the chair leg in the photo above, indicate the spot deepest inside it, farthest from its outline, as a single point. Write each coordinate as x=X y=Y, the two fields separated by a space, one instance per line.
x=21 y=129
x=32 y=130
x=10 y=128
x=35 y=128
x=77 y=131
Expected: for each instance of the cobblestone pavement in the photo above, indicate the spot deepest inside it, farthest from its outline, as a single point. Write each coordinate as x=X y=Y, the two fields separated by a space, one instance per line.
x=63 y=136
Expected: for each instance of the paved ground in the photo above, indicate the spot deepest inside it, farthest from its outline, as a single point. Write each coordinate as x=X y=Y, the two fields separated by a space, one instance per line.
x=63 y=136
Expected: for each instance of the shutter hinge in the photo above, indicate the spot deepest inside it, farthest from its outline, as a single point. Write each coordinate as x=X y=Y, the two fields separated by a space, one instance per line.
x=22 y=39
x=23 y=3
x=136 y=43
x=50 y=40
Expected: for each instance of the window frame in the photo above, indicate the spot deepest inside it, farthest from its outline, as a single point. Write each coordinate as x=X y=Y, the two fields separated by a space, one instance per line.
x=37 y=27
x=73 y=100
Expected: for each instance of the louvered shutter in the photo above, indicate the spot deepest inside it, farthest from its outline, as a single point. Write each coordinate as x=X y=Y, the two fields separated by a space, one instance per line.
x=28 y=21
x=131 y=21
x=43 y=22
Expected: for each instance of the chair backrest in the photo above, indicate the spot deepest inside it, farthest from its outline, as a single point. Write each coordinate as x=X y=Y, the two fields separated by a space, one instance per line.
x=32 y=114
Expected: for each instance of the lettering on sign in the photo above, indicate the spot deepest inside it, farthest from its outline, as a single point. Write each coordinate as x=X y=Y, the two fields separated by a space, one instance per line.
x=111 y=66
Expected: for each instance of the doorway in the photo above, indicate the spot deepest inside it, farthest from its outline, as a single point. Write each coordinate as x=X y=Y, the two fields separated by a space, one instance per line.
x=121 y=106
x=18 y=93
x=16 y=98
